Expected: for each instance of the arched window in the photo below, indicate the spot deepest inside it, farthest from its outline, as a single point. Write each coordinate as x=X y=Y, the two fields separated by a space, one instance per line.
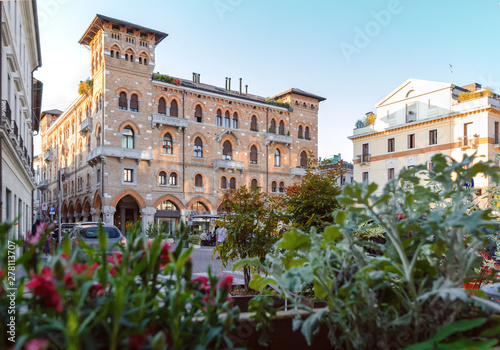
x=131 y=58
x=112 y=53
x=198 y=114
x=303 y=159
x=172 y=180
x=162 y=107
x=277 y=157
x=300 y=133
x=306 y=134
x=167 y=144
x=282 y=187
x=219 y=118
x=126 y=56
x=174 y=109
x=134 y=103
x=122 y=102
x=272 y=128
x=198 y=180
x=227 y=151
x=117 y=54
x=232 y=183
x=146 y=61
x=140 y=60
x=273 y=186
x=127 y=137
x=167 y=205
x=253 y=155
x=198 y=148
x=162 y=178
x=98 y=136
x=253 y=123
x=227 y=120
x=199 y=206
x=88 y=179
x=282 y=128
x=235 y=120
x=223 y=182
x=254 y=183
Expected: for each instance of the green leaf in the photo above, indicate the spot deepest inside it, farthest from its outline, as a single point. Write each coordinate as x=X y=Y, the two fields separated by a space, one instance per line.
x=425 y=345
x=466 y=343
x=458 y=326
x=294 y=240
x=310 y=327
x=259 y=282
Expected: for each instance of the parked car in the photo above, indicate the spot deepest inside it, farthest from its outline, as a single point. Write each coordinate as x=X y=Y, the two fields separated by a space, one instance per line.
x=65 y=229
x=88 y=232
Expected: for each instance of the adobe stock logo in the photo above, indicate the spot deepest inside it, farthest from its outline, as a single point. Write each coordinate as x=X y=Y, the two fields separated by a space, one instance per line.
x=48 y=9
x=364 y=36
x=223 y=6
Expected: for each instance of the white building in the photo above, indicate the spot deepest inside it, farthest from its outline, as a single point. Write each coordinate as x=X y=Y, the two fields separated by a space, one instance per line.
x=421 y=118
x=20 y=94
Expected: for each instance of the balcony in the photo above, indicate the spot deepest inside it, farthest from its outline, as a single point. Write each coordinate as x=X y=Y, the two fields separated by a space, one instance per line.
x=297 y=172
x=86 y=126
x=468 y=142
x=364 y=159
x=6 y=116
x=159 y=120
x=48 y=157
x=228 y=164
x=43 y=185
x=276 y=138
x=64 y=173
x=15 y=132
x=98 y=154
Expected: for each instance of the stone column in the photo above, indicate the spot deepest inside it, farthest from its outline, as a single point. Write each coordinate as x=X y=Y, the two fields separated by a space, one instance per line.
x=109 y=214
x=70 y=218
x=167 y=112
x=78 y=217
x=148 y=217
x=96 y=214
x=85 y=216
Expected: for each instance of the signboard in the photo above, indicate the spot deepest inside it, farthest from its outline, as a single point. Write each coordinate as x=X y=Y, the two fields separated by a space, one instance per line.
x=190 y=221
x=44 y=206
x=52 y=210
x=469 y=184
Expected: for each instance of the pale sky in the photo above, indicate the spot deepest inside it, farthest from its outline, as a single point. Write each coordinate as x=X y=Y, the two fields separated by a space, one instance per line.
x=353 y=53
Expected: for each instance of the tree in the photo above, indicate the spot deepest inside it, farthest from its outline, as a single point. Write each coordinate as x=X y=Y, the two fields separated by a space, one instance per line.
x=251 y=224
x=312 y=201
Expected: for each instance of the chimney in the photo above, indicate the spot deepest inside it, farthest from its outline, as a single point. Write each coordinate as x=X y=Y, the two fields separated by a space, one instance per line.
x=246 y=89
x=226 y=83
x=229 y=84
x=194 y=77
x=198 y=78
x=240 y=85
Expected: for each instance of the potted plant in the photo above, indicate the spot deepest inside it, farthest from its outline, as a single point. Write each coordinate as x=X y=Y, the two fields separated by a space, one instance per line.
x=194 y=241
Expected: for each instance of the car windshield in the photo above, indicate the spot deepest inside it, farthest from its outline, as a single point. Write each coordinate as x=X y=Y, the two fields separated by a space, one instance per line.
x=91 y=232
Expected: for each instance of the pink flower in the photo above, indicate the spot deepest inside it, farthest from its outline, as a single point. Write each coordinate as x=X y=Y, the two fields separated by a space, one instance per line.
x=68 y=280
x=165 y=255
x=226 y=282
x=205 y=286
x=43 y=286
x=37 y=344
x=95 y=290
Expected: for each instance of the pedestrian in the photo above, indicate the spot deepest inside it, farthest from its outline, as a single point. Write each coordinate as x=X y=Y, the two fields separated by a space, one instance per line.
x=35 y=226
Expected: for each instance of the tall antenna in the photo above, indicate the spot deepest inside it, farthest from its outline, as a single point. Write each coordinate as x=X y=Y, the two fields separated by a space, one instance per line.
x=451 y=72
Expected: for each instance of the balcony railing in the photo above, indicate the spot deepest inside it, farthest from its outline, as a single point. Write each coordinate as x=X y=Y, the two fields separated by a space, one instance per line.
x=364 y=158
x=48 y=157
x=6 y=116
x=297 y=172
x=468 y=142
x=271 y=138
x=86 y=126
x=228 y=164
x=15 y=132
x=158 y=120
x=97 y=155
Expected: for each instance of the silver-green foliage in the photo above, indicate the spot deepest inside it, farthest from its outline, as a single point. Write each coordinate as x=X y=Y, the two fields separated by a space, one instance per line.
x=415 y=286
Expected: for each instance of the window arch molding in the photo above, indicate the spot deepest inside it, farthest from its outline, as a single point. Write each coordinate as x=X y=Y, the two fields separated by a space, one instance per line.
x=131 y=124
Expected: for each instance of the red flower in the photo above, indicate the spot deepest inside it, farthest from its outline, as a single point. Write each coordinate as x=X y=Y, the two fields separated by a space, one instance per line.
x=165 y=255
x=68 y=280
x=112 y=271
x=43 y=286
x=79 y=268
x=65 y=256
x=205 y=286
x=95 y=290
x=226 y=282
x=37 y=344
x=116 y=258
x=137 y=341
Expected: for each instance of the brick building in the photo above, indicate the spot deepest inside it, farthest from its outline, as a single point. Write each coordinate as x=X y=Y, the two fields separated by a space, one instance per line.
x=142 y=145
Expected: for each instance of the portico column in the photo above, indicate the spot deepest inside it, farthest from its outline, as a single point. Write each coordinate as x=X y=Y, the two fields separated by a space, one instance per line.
x=96 y=214
x=148 y=217
x=85 y=216
x=109 y=214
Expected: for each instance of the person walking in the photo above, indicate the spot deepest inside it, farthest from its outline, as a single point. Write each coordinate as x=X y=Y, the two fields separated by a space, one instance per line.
x=220 y=236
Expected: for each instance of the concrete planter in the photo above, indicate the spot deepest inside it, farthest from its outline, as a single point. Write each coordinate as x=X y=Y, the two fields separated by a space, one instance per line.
x=195 y=246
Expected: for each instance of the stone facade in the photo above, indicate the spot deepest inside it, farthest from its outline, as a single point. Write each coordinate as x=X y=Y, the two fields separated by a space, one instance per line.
x=138 y=139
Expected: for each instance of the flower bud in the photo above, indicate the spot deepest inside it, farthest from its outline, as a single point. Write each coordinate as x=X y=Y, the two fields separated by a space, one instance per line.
x=59 y=269
x=159 y=341
x=188 y=269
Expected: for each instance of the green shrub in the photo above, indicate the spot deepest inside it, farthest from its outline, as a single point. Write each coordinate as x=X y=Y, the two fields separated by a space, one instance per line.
x=194 y=239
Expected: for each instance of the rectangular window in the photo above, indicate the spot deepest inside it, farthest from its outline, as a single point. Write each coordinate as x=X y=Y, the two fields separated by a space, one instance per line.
x=98 y=179
x=365 y=155
x=391 y=145
x=390 y=174
x=433 y=140
x=496 y=136
x=8 y=205
x=411 y=141
x=467 y=133
x=430 y=166
x=365 y=176
x=128 y=175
